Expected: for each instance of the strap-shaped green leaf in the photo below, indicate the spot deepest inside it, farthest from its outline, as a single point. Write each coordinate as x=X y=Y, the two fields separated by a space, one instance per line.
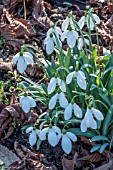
x=98 y=138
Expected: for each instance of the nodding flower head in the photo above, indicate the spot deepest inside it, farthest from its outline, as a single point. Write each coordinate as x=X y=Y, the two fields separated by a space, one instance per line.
x=22 y=59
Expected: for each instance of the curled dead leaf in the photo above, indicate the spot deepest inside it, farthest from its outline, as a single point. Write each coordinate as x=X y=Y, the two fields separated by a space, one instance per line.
x=40 y=15
x=67 y=164
x=11 y=112
x=30 y=160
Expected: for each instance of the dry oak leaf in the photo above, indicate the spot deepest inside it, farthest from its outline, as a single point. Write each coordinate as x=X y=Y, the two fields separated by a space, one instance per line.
x=20 y=27
x=30 y=160
x=16 y=31
x=40 y=15
x=8 y=113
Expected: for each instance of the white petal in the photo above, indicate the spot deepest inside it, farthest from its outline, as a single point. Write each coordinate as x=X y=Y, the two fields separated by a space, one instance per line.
x=50 y=31
x=71 y=136
x=64 y=35
x=65 y=24
x=58 y=30
x=71 y=39
x=86 y=41
x=29 y=129
x=21 y=65
x=68 y=112
x=71 y=22
x=28 y=59
x=28 y=54
x=81 y=80
x=69 y=78
x=52 y=101
x=37 y=131
x=88 y=118
x=62 y=100
x=52 y=85
x=81 y=22
x=16 y=57
x=80 y=43
x=90 y=122
x=21 y=98
x=43 y=133
x=93 y=124
x=32 y=101
x=83 y=125
x=32 y=138
x=97 y=114
x=52 y=138
x=77 y=110
x=91 y=24
x=46 y=40
x=26 y=105
x=56 y=129
x=66 y=144
x=63 y=86
x=50 y=46
x=58 y=80
x=96 y=18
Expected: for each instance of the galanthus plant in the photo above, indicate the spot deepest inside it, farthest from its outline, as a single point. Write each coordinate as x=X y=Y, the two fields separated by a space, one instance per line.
x=78 y=94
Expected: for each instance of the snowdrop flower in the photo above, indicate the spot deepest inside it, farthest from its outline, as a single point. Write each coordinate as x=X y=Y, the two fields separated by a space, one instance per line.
x=52 y=85
x=52 y=132
x=68 y=111
x=33 y=135
x=71 y=36
x=26 y=102
x=66 y=143
x=50 y=40
x=67 y=22
x=80 y=79
x=62 y=100
x=81 y=43
x=84 y=20
x=22 y=60
x=88 y=121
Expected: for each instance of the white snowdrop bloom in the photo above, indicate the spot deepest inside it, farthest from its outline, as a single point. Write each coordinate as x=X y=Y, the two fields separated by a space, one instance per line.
x=88 y=121
x=52 y=85
x=52 y=133
x=84 y=20
x=70 y=108
x=23 y=61
x=81 y=43
x=80 y=79
x=62 y=100
x=67 y=22
x=67 y=139
x=50 y=40
x=71 y=36
x=33 y=135
x=26 y=102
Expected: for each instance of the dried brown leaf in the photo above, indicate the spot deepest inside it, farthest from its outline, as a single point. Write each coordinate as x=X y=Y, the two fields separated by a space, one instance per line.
x=7 y=156
x=16 y=31
x=30 y=160
x=94 y=157
x=10 y=112
x=40 y=15
x=67 y=164
x=108 y=166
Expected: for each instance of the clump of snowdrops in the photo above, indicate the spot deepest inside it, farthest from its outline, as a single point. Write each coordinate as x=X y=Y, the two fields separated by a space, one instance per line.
x=79 y=92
